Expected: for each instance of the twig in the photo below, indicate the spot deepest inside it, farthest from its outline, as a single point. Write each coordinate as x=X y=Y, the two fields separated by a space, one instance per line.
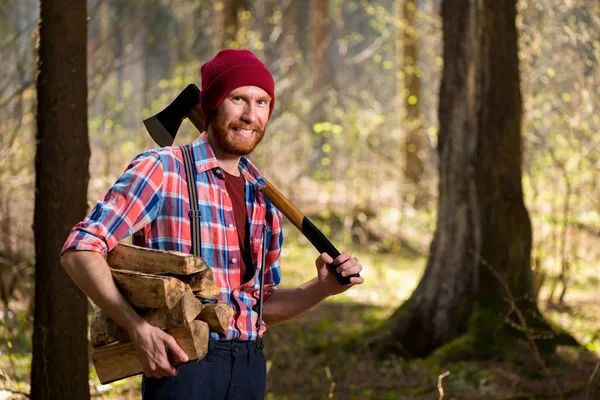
x=26 y=29
x=15 y=391
x=589 y=384
x=16 y=93
x=10 y=382
x=440 y=388
x=331 y=382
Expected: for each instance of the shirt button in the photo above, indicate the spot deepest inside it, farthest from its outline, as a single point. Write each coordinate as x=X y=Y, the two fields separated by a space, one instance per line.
x=218 y=171
x=233 y=260
x=231 y=226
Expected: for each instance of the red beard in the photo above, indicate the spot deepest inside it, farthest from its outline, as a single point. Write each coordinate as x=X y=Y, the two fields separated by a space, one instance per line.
x=239 y=146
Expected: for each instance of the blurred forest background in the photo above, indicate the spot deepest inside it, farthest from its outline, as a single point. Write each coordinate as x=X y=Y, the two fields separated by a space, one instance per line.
x=353 y=143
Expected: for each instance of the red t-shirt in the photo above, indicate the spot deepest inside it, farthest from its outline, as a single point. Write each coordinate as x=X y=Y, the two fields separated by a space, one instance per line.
x=236 y=187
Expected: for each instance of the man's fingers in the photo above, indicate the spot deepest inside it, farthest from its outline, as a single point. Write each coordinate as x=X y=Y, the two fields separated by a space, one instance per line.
x=347 y=263
x=349 y=269
x=342 y=258
x=175 y=349
x=168 y=370
x=161 y=369
x=327 y=259
x=357 y=280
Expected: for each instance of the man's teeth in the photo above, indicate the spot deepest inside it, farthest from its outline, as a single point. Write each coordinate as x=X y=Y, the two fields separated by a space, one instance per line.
x=245 y=131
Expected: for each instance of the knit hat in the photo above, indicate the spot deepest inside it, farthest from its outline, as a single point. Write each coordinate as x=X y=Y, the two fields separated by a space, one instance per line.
x=231 y=69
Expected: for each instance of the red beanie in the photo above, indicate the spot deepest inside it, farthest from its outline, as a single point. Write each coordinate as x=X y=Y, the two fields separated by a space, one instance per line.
x=231 y=69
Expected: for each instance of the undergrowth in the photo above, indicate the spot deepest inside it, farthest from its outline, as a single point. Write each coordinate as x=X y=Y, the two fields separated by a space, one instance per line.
x=323 y=354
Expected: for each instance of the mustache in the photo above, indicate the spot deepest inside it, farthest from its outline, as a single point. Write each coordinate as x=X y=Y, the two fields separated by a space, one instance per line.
x=241 y=125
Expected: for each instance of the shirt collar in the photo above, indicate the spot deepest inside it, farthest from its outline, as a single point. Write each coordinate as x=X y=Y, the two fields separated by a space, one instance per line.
x=205 y=160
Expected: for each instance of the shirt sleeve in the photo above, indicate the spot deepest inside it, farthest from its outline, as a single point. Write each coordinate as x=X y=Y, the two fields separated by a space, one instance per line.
x=129 y=205
x=273 y=271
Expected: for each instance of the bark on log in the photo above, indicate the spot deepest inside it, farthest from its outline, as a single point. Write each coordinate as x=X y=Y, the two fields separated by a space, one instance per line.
x=151 y=291
x=120 y=360
x=216 y=315
x=150 y=261
x=105 y=331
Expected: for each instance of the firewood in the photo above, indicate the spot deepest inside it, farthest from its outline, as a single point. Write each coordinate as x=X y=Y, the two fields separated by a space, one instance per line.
x=151 y=291
x=150 y=261
x=105 y=331
x=120 y=360
x=216 y=315
x=202 y=283
x=205 y=289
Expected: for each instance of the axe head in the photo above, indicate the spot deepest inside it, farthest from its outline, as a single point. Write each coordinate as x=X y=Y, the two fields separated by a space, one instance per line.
x=163 y=126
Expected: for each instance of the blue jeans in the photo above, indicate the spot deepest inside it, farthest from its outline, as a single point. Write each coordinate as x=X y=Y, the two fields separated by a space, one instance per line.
x=230 y=371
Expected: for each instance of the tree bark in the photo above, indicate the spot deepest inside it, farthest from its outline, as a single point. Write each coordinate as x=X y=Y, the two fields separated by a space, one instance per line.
x=479 y=262
x=218 y=28
x=320 y=79
x=413 y=121
x=60 y=349
x=235 y=25
x=319 y=29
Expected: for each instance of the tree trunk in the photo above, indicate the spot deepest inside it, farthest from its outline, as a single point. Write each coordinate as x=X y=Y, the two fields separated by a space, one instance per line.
x=288 y=53
x=319 y=30
x=236 y=24
x=320 y=79
x=60 y=348
x=413 y=121
x=480 y=253
x=217 y=27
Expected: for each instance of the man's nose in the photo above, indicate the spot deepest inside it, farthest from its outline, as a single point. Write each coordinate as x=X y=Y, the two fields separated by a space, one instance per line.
x=249 y=114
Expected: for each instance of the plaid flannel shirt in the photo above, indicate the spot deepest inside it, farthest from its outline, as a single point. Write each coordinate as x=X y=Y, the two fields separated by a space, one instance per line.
x=150 y=201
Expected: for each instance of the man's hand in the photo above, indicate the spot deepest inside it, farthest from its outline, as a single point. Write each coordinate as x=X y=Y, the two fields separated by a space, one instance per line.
x=92 y=274
x=152 y=345
x=346 y=265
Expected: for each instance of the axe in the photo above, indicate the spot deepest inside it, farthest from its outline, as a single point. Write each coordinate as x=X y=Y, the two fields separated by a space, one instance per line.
x=163 y=128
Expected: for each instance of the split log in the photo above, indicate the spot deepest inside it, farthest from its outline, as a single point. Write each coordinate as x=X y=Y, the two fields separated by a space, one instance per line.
x=216 y=315
x=204 y=285
x=104 y=330
x=151 y=291
x=120 y=360
x=150 y=261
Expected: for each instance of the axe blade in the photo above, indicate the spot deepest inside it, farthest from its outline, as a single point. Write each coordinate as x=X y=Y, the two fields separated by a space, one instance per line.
x=163 y=126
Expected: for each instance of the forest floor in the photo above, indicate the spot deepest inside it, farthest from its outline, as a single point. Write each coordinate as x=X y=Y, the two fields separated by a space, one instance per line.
x=307 y=361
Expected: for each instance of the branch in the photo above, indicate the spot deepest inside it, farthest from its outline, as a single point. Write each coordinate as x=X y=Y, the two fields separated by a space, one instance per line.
x=370 y=50
x=16 y=93
x=439 y=385
x=13 y=39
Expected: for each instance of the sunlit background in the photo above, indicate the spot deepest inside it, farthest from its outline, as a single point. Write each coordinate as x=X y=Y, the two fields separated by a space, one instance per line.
x=352 y=141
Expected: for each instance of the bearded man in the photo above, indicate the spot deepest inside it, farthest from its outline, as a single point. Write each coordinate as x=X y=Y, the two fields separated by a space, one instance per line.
x=240 y=238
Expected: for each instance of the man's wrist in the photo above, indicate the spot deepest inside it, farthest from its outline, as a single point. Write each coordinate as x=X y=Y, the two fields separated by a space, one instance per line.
x=135 y=325
x=321 y=289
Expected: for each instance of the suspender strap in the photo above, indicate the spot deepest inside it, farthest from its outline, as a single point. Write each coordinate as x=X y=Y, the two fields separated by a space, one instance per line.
x=194 y=213
x=258 y=344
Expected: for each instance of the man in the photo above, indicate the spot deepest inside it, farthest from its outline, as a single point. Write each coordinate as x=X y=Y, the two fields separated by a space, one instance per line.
x=238 y=226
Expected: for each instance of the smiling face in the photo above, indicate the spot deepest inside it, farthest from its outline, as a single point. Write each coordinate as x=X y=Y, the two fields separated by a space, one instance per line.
x=239 y=122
